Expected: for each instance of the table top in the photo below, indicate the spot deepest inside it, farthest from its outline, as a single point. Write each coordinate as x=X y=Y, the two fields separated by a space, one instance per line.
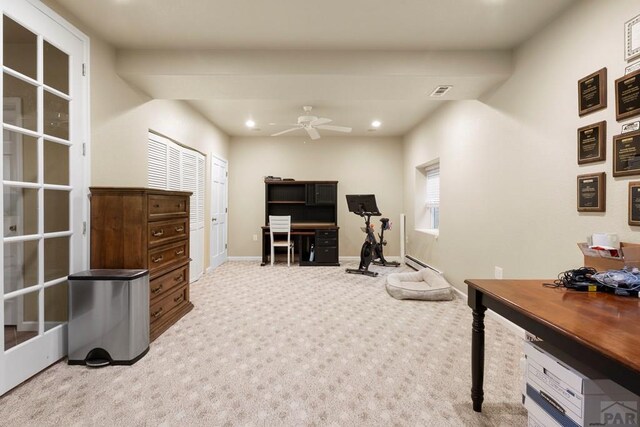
x=605 y=322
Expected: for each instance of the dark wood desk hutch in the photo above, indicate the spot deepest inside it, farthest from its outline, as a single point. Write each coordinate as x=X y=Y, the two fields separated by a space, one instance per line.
x=144 y=228
x=314 y=218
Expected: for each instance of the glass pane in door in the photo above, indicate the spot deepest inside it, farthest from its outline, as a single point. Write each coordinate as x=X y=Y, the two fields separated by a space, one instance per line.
x=56 y=163
x=20 y=265
x=56 y=258
x=56 y=305
x=20 y=157
x=22 y=97
x=56 y=211
x=56 y=116
x=56 y=68
x=20 y=211
x=20 y=319
x=20 y=48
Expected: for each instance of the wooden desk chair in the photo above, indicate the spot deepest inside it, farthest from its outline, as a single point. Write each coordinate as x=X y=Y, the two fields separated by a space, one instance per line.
x=280 y=225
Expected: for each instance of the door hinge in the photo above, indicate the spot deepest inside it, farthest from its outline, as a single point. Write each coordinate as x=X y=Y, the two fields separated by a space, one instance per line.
x=84 y=149
x=226 y=174
x=84 y=69
x=84 y=228
x=226 y=210
x=225 y=246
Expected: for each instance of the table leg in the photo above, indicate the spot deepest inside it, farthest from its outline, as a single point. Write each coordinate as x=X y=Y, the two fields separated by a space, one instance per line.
x=477 y=349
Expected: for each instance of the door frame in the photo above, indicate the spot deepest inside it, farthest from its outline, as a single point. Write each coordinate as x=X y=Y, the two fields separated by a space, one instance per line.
x=30 y=357
x=225 y=257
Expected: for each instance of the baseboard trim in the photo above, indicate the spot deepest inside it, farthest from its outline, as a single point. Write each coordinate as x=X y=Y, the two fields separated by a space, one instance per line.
x=413 y=262
x=245 y=258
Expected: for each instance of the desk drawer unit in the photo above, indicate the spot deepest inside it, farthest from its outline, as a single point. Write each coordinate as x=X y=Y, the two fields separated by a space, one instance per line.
x=326 y=247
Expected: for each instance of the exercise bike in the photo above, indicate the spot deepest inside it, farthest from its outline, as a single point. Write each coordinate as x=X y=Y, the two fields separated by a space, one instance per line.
x=364 y=205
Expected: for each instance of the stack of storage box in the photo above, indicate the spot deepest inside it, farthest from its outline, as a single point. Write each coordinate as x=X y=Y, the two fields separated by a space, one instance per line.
x=558 y=395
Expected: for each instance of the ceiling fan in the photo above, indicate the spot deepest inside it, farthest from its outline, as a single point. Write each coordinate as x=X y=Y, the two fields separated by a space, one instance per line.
x=312 y=123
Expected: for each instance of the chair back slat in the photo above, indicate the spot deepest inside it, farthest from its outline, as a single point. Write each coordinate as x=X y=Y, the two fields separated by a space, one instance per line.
x=279 y=224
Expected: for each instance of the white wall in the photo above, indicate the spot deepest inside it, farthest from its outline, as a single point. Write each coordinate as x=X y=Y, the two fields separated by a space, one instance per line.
x=509 y=161
x=361 y=165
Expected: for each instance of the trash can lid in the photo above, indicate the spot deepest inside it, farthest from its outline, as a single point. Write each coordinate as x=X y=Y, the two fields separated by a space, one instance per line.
x=108 y=274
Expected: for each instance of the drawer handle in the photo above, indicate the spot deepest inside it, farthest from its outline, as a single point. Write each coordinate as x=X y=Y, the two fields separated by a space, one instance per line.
x=177 y=278
x=180 y=252
x=157 y=313
x=179 y=229
x=156 y=205
x=178 y=298
x=158 y=233
x=156 y=290
x=179 y=206
x=157 y=260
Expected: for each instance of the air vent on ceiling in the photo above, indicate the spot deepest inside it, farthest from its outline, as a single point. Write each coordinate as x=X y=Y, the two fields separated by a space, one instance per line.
x=440 y=91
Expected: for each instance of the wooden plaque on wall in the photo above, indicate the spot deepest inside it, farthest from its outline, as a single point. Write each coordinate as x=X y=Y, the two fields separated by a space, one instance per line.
x=634 y=203
x=592 y=143
x=592 y=92
x=628 y=96
x=626 y=154
x=591 y=192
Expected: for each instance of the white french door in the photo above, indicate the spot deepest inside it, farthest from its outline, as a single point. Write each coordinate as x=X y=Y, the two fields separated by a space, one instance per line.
x=44 y=121
x=218 y=232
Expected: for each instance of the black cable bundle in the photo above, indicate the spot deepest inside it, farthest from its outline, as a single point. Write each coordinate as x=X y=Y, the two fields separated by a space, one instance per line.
x=578 y=279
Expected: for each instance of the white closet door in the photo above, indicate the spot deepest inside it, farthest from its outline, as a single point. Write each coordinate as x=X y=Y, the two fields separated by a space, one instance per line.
x=173 y=167
x=174 y=172
x=158 y=152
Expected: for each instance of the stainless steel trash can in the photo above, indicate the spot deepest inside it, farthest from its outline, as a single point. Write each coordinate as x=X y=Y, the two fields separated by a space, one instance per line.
x=108 y=317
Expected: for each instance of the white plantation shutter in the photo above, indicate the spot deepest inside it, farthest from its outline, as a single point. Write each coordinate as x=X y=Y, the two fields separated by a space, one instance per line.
x=433 y=187
x=174 y=173
x=174 y=167
x=157 y=164
x=201 y=177
x=190 y=183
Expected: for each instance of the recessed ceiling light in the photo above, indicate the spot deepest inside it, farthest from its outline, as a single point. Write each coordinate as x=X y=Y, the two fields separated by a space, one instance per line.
x=376 y=124
x=249 y=123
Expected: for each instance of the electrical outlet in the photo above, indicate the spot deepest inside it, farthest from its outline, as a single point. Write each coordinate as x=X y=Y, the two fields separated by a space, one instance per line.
x=255 y=237
x=498 y=272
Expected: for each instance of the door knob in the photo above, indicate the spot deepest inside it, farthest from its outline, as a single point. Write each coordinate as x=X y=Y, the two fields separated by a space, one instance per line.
x=13 y=228
x=214 y=219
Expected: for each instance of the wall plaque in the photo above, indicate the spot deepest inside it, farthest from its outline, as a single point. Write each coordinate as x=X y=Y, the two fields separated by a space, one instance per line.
x=591 y=192
x=592 y=92
x=634 y=203
x=632 y=38
x=628 y=96
x=626 y=154
x=592 y=142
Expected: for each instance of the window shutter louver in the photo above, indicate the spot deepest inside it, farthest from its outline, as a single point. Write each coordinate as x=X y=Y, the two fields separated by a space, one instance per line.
x=157 y=165
x=433 y=188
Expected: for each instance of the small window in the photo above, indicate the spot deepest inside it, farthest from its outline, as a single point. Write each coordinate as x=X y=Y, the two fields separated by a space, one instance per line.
x=433 y=196
x=427 y=197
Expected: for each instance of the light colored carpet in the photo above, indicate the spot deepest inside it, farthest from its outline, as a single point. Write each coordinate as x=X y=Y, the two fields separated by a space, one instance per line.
x=291 y=346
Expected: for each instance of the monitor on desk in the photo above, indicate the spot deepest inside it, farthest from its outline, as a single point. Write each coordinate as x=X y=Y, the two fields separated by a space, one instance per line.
x=363 y=203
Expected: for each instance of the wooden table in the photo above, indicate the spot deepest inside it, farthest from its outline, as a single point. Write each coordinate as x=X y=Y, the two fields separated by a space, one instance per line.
x=597 y=330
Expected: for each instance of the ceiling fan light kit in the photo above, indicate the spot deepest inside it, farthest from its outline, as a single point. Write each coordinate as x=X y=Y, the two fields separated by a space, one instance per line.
x=311 y=124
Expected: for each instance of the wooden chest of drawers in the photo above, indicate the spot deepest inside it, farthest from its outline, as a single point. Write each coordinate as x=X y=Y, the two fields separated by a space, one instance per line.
x=144 y=228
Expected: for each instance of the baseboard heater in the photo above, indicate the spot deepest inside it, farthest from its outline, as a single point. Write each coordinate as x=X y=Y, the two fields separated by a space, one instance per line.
x=416 y=264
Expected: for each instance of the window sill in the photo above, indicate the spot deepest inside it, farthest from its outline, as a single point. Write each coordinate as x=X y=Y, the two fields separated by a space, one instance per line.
x=431 y=231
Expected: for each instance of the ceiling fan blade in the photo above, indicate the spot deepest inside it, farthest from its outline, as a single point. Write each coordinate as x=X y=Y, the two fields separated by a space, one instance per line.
x=313 y=133
x=320 y=121
x=335 y=128
x=285 y=131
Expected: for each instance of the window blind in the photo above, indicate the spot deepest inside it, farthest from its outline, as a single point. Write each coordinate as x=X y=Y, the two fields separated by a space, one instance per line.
x=433 y=187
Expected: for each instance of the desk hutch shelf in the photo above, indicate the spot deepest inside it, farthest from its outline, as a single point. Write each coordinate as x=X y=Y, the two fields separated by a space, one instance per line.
x=312 y=206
